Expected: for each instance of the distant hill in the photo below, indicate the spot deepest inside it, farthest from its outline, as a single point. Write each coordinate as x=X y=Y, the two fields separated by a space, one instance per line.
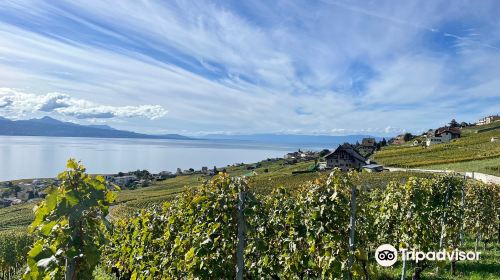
x=48 y=126
x=474 y=151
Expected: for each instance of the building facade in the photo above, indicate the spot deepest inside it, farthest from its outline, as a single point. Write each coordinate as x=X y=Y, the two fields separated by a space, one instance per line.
x=442 y=135
x=345 y=158
x=368 y=145
x=488 y=120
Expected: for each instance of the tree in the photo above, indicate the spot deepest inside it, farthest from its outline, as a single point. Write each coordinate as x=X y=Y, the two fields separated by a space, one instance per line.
x=464 y=124
x=407 y=136
x=69 y=225
x=324 y=152
x=142 y=174
x=383 y=142
x=454 y=123
x=17 y=189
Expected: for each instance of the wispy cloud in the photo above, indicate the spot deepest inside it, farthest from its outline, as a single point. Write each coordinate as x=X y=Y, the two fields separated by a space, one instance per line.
x=330 y=66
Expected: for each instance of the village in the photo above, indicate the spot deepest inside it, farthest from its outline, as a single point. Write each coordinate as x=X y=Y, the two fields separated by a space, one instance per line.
x=345 y=157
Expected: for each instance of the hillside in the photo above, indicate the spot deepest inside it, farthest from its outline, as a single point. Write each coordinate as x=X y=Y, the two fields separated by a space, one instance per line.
x=262 y=182
x=48 y=126
x=474 y=151
x=268 y=176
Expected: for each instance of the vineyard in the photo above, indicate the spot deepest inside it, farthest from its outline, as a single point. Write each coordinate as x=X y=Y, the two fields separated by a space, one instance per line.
x=307 y=234
x=271 y=226
x=465 y=154
x=16 y=216
x=14 y=246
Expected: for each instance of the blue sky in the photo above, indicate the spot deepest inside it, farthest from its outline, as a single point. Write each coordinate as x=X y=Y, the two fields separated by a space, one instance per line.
x=301 y=67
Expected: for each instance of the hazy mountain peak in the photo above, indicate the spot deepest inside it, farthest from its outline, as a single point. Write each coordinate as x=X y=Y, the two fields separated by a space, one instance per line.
x=48 y=126
x=47 y=119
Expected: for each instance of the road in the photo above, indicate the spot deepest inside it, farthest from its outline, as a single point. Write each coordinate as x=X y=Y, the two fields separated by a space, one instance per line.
x=486 y=178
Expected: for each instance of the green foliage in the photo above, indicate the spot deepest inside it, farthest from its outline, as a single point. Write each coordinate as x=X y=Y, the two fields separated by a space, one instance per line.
x=69 y=226
x=306 y=234
x=482 y=210
x=297 y=226
x=14 y=246
x=288 y=235
x=101 y=274
x=299 y=234
x=431 y=214
x=191 y=237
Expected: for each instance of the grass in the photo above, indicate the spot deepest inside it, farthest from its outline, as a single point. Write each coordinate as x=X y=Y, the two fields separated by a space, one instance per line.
x=489 y=166
x=472 y=152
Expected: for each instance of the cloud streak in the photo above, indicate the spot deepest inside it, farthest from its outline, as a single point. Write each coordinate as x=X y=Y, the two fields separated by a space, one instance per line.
x=266 y=67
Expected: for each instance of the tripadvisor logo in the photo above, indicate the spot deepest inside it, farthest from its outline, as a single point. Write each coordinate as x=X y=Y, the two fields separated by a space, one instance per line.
x=387 y=255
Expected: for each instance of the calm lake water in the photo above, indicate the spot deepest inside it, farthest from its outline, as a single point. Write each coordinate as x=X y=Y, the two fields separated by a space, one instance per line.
x=44 y=157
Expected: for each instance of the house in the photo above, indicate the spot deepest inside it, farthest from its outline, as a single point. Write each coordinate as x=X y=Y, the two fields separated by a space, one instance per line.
x=13 y=200
x=188 y=171
x=373 y=168
x=321 y=166
x=488 y=120
x=293 y=155
x=442 y=135
x=368 y=145
x=25 y=195
x=5 y=203
x=163 y=175
x=109 y=178
x=345 y=158
x=494 y=139
x=399 y=140
x=300 y=155
x=125 y=180
x=42 y=193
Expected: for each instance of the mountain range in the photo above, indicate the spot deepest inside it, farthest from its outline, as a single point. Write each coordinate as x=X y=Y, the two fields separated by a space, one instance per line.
x=48 y=126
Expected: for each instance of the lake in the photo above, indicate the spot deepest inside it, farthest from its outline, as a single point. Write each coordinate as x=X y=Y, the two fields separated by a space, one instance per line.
x=44 y=157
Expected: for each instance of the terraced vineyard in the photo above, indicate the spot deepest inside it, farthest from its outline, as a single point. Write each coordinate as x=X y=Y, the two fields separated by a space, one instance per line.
x=473 y=152
x=290 y=232
x=275 y=193
x=17 y=216
x=278 y=174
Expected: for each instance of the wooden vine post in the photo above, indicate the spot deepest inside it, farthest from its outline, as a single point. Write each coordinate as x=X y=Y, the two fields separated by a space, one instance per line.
x=240 y=262
x=462 y=204
x=443 y=221
x=352 y=231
